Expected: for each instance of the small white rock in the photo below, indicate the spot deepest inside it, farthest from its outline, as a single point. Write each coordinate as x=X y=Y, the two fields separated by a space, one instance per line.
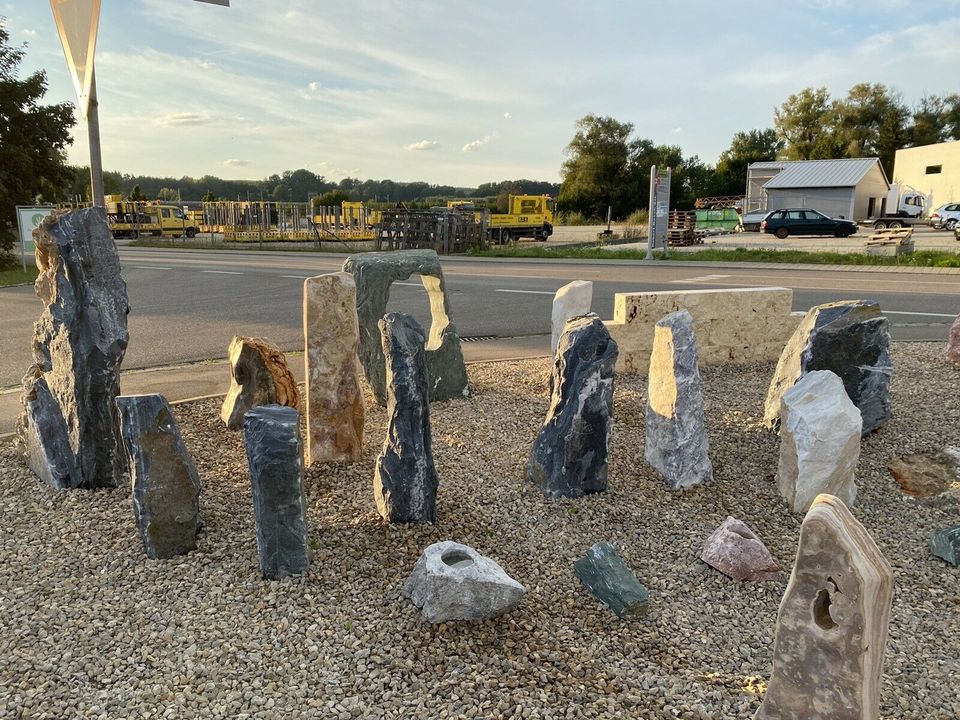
x=571 y=300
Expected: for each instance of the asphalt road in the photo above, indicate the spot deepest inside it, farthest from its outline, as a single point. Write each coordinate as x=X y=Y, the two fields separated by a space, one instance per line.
x=186 y=305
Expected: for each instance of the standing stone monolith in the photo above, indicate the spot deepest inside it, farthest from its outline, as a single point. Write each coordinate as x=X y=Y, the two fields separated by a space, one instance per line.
x=819 y=441
x=945 y=544
x=374 y=273
x=68 y=433
x=405 y=481
x=736 y=551
x=571 y=300
x=166 y=486
x=258 y=376
x=334 y=396
x=609 y=579
x=569 y=456
x=677 y=444
x=953 y=342
x=852 y=340
x=275 y=460
x=832 y=625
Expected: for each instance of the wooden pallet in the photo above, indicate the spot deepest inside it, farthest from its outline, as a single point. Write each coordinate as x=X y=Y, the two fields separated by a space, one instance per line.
x=894 y=241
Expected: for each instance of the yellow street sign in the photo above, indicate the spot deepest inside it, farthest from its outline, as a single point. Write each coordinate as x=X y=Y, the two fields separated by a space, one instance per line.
x=77 y=22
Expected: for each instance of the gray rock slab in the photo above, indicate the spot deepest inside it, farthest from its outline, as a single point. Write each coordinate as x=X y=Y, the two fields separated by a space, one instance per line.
x=852 y=340
x=569 y=455
x=945 y=544
x=677 y=445
x=608 y=578
x=405 y=480
x=275 y=460
x=166 y=485
x=373 y=274
x=68 y=433
x=454 y=582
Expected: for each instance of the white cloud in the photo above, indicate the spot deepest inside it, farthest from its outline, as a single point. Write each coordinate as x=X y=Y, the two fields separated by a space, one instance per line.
x=423 y=145
x=477 y=144
x=314 y=86
x=29 y=32
x=678 y=129
x=507 y=116
x=235 y=162
x=183 y=119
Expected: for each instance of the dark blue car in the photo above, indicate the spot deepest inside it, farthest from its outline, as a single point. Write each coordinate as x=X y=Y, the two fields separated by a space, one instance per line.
x=804 y=221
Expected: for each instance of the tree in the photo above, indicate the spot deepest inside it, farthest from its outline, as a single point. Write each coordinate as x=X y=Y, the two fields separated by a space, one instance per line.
x=929 y=121
x=952 y=115
x=805 y=122
x=136 y=195
x=745 y=148
x=598 y=168
x=334 y=198
x=33 y=142
x=871 y=122
x=209 y=197
x=168 y=194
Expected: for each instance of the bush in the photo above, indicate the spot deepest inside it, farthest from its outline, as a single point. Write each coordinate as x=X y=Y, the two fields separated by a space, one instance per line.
x=637 y=217
x=8 y=242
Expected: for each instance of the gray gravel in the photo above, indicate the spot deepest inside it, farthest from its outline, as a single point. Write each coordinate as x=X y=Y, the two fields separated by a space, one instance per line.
x=90 y=628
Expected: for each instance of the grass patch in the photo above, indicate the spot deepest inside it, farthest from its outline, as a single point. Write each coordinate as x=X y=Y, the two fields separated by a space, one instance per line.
x=199 y=244
x=16 y=276
x=922 y=258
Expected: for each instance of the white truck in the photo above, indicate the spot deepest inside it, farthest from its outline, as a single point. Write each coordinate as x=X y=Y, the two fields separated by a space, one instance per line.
x=904 y=206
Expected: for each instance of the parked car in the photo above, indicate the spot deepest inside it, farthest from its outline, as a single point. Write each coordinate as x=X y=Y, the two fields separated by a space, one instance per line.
x=946 y=216
x=956 y=232
x=750 y=222
x=804 y=221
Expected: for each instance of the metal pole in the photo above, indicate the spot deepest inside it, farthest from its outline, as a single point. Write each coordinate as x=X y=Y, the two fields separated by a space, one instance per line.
x=666 y=242
x=652 y=214
x=93 y=133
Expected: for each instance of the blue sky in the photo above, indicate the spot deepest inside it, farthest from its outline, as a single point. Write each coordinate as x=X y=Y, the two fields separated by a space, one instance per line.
x=463 y=93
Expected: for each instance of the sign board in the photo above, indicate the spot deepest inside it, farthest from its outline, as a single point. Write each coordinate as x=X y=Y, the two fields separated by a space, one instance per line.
x=77 y=22
x=224 y=3
x=29 y=218
x=659 y=210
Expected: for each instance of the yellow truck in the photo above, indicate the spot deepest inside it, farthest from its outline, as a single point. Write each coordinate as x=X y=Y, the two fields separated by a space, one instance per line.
x=527 y=216
x=131 y=218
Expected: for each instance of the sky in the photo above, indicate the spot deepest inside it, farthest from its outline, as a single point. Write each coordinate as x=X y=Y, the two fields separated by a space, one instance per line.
x=462 y=93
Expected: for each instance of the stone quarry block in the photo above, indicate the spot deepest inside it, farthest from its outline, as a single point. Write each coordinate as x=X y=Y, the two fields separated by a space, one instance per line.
x=945 y=544
x=569 y=456
x=852 y=340
x=275 y=460
x=571 y=300
x=258 y=376
x=68 y=433
x=454 y=582
x=610 y=580
x=735 y=325
x=373 y=273
x=405 y=482
x=832 y=624
x=953 y=342
x=927 y=475
x=736 y=551
x=819 y=441
x=677 y=445
x=334 y=395
x=165 y=482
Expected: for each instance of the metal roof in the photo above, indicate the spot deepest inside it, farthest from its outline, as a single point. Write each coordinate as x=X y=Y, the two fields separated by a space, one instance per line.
x=845 y=172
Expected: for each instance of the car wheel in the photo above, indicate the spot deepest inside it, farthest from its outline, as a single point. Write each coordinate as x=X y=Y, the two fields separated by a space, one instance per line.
x=879 y=225
x=191 y=232
x=505 y=237
x=951 y=224
x=841 y=232
x=135 y=234
x=895 y=224
x=782 y=233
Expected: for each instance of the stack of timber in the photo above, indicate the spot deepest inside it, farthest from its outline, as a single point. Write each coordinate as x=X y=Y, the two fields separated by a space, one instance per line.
x=681 y=227
x=445 y=230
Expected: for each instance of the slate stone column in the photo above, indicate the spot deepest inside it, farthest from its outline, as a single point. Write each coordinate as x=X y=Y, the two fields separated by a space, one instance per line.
x=275 y=459
x=405 y=483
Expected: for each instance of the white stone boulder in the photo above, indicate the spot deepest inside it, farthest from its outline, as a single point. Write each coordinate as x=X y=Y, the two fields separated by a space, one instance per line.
x=571 y=300
x=454 y=582
x=820 y=441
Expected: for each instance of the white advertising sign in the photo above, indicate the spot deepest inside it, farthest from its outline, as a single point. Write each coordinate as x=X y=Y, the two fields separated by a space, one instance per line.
x=28 y=219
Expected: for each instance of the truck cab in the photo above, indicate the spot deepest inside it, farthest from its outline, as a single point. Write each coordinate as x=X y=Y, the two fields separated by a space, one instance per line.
x=527 y=216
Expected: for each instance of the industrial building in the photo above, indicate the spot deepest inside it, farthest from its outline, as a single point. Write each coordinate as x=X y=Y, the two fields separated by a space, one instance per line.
x=852 y=188
x=933 y=170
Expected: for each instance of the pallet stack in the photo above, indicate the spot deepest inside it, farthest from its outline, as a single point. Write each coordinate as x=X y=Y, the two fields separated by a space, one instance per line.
x=680 y=228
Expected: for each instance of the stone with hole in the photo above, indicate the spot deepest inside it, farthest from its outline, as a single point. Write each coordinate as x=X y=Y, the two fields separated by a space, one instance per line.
x=452 y=581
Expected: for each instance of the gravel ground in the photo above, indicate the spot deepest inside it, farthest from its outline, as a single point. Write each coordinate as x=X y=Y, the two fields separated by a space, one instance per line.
x=90 y=628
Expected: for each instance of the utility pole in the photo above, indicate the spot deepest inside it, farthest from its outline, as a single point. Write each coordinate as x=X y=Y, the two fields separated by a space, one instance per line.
x=93 y=137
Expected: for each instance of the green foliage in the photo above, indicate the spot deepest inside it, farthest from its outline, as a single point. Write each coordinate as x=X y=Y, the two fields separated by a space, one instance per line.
x=168 y=194
x=745 y=148
x=16 y=276
x=334 y=198
x=136 y=195
x=33 y=140
x=209 y=197
x=805 y=123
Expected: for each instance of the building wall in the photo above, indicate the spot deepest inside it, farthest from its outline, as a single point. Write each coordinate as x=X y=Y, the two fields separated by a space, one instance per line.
x=830 y=201
x=910 y=168
x=873 y=185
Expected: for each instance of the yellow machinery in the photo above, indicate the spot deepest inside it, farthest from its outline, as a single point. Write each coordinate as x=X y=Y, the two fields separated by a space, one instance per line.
x=527 y=216
x=133 y=218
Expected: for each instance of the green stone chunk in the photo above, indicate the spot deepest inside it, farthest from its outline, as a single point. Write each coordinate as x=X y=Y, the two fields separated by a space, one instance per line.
x=945 y=544
x=608 y=578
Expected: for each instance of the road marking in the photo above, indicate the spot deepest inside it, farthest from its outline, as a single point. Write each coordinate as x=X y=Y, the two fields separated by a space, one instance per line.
x=528 y=292
x=223 y=272
x=151 y=267
x=416 y=285
x=702 y=278
x=923 y=314
x=298 y=277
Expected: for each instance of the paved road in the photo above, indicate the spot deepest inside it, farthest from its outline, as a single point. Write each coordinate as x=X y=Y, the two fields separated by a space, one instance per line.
x=186 y=305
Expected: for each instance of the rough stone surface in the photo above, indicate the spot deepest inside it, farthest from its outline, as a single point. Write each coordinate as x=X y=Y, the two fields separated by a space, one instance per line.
x=929 y=474
x=953 y=342
x=677 y=445
x=569 y=456
x=258 y=376
x=832 y=625
x=374 y=272
x=735 y=325
x=334 y=396
x=610 y=580
x=571 y=300
x=405 y=482
x=68 y=433
x=945 y=544
x=275 y=461
x=819 y=441
x=735 y=550
x=849 y=338
x=454 y=582
x=166 y=486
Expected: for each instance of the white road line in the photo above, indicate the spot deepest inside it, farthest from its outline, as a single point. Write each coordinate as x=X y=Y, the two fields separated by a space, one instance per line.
x=416 y=285
x=151 y=267
x=298 y=277
x=223 y=272
x=529 y=292
x=922 y=314
x=702 y=278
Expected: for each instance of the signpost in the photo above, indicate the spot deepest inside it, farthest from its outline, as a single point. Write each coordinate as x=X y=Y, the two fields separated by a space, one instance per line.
x=659 y=212
x=29 y=218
